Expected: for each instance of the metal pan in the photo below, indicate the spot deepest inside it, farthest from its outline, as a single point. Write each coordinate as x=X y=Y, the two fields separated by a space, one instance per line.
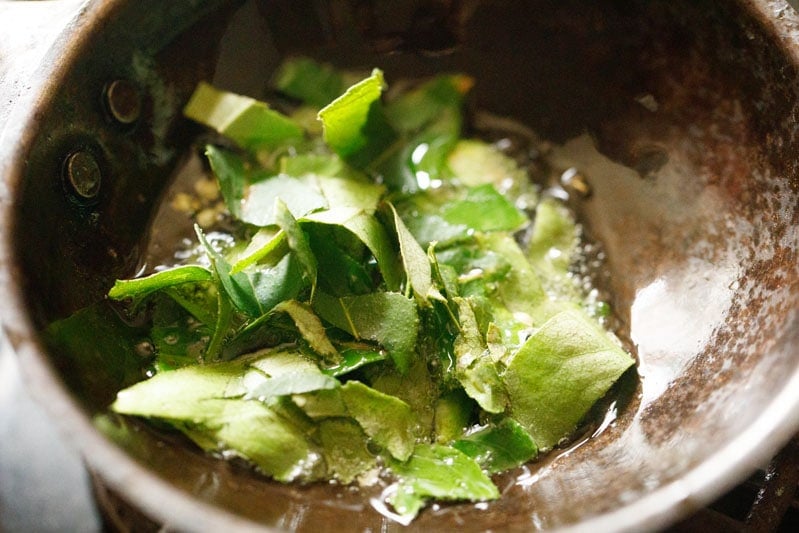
x=682 y=115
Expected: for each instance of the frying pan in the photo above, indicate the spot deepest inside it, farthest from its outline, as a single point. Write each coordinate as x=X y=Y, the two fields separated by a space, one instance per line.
x=682 y=115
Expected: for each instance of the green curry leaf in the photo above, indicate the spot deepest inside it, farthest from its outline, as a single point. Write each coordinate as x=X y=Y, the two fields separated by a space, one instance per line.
x=559 y=373
x=310 y=328
x=140 y=287
x=414 y=259
x=354 y=124
x=386 y=419
x=498 y=447
x=387 y=318
x=440 y=472
x=248 y=122
x=484 y=209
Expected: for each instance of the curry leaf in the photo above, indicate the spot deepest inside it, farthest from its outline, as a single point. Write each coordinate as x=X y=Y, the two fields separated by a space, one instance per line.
x=297 y=241
x=343 y=274
x=267 y=245
x=310 y=328
x=475 y=369
x=140 y=287
x=354 y=124
x=498 y=447
x=385 y=317
x=314 y=83
x=344 y=445
x=517 y=299
x=300 y=197
x=272 y=285
x=179 y=394
x=371 y=233
x=422 y=214
x=197 y=399
x=314 y=164
x=415 y=109
x=341 y=192
x=256 y=433
x=255 y=292
x=238 y=287
x=441 y=472
x=199 y=299
x=321 y=404
x=553 y=244
x=484 y=209
x=386 y=419
x=272 y=362
x=559 y=373
x=554 y=235
x=321 y=164
x=231 y=175
x=416 y=386
x=430 y=119
x=224 y=317
x=248 y=122
x=354 y=357
x=176 y=336
x=414 y=260
x=297 y=382
x=453 y=412
x=475 y=162
x=426 y=154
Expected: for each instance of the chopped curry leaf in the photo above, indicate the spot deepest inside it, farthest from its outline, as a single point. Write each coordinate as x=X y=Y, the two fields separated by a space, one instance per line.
x=355 y=125
x=248 y=122
x=371 y=233
x=374 y=299
x=559 y=373
x=141 y=287
x=386 y=419
x=484 y=209
x=300 y=197
x=297 y=382
x=297 y=241
x=345 y=448
x=387 y=318
x=311 y=328
x=231 y=174
x=498 y=447
x=440 y=472
x=418 y=107
x=414 y=259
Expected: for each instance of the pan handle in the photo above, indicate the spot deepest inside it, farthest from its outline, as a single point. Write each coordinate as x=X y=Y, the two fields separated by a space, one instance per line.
x=28 y=30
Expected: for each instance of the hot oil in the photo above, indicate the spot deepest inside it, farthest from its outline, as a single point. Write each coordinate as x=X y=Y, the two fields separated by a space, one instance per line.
x=569 y=186
x=193 y=198
x=564 y=180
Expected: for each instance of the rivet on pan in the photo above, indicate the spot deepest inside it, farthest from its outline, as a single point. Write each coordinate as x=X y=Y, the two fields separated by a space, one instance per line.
x=123 y=101
x=83 y=173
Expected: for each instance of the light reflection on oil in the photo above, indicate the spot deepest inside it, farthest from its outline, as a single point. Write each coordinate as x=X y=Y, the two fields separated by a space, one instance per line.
x=674 y=316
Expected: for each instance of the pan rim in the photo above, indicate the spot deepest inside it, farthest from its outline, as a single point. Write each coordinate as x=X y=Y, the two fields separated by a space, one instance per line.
x=175 y=508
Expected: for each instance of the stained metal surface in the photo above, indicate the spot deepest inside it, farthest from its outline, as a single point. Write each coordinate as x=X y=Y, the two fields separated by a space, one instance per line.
x=683 y=119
